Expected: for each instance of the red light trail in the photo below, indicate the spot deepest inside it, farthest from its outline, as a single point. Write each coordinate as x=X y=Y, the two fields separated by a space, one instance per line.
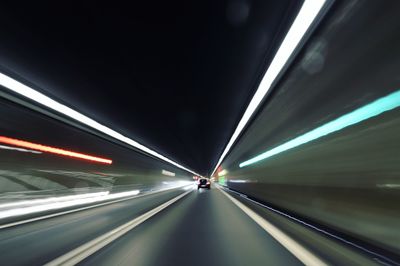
x=43 y=148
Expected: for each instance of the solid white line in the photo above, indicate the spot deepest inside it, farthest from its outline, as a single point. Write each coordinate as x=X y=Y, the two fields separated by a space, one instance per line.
x=290 y=244
x=82 y=252
x=80 y=209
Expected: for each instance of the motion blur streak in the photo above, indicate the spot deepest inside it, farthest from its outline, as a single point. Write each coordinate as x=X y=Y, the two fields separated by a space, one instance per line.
x=38 y=97
x=375 y=108
x=61 y=203
x=39 y=147
x=223 y=172
x=307 y=14
x=167 y=173
x=52 y=199
x=18 y=149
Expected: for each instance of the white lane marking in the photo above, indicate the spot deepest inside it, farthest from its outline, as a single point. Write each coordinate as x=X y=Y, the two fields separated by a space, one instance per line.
x=80 y=209
x=290 y=244
x=82 y=252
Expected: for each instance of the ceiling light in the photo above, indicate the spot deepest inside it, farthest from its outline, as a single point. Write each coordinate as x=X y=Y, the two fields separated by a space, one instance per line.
x=40 y=98
x=307 y=14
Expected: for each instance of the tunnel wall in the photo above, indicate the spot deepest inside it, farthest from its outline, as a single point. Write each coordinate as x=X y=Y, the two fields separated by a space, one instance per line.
x=31 y=173
x=347 y=181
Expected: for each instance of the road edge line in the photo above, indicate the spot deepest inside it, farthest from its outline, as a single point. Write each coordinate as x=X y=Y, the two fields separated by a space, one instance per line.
x=82 y=252
x=289 y=243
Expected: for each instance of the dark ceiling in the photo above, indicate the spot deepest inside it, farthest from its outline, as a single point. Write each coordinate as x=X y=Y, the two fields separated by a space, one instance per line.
x=173 y=76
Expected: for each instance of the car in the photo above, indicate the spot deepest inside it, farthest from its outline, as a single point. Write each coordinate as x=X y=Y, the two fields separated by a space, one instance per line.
x=203 y=183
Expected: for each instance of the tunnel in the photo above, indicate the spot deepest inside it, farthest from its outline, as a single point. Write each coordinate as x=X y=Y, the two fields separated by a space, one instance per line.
x=234 y=132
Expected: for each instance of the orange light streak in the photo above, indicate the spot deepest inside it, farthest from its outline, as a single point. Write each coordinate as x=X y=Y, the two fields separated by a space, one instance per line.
x=43 y=148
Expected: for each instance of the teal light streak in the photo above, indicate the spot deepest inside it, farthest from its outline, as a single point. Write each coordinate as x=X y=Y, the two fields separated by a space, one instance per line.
x=372 y=109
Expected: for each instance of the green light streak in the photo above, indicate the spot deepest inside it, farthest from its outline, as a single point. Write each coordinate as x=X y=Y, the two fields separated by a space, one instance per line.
x=221 y=180
x=372 y=109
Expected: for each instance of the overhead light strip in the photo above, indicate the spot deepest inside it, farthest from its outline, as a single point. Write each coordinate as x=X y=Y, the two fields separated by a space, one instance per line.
x=40 y=98
x=307 y=14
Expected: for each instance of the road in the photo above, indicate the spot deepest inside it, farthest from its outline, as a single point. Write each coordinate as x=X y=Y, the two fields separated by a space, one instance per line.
x=202 y=228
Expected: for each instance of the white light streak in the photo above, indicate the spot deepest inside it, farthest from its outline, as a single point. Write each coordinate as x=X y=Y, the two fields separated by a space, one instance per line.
x=55 y=203
x=167 y=173
x=18 y=149
x=53 y=199
x=40 y=98
x=307 y=14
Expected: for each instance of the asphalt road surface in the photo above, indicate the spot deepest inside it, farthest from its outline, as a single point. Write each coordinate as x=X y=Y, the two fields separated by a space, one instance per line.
x=202 y=228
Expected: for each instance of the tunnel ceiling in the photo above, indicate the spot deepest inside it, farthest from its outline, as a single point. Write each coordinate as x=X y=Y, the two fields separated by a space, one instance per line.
x=173 y=76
